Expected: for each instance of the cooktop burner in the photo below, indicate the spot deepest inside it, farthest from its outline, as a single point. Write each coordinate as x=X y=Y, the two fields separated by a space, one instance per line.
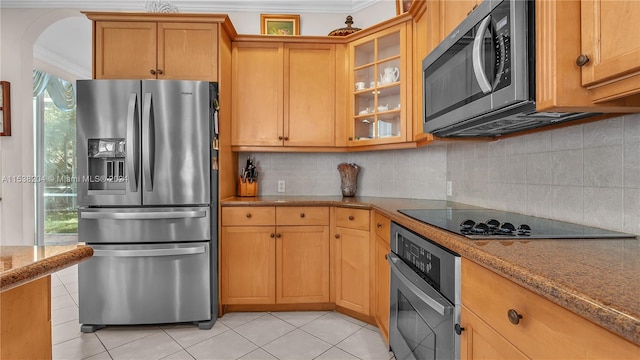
x=495 y=224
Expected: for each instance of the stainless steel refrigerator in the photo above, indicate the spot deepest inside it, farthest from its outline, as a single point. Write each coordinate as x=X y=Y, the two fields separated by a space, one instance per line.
x=147 y=195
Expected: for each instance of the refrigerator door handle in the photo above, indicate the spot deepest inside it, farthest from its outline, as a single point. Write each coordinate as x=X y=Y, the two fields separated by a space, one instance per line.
x=132 y=145
x=151 y=215
x=150 y=252
x=148 y=140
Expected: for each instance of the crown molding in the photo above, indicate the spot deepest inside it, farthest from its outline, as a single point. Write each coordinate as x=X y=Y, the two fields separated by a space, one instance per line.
x=210 y=6
x=51 y=58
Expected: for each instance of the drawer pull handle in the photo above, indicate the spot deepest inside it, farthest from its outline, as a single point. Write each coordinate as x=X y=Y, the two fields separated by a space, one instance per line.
x=248 y=215
x=459 y=329
x=351 y=217
x=514 y=317
x=582 y=60
x=337 y=236
x=301 y=215
x=272 y=235
x=379 y=226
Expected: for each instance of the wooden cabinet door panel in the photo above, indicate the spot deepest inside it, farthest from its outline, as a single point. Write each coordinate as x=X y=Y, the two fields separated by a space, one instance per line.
x=125 y=50
x=302 y=264
x=247 y=271
x=480 y=341
x=383 y=275
x=188 y=51
x=309 y=94
x=610 y=40
x=352 y=269
x=257 y=97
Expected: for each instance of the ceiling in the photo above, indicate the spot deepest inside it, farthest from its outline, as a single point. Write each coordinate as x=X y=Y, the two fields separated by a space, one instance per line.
x=224 y=6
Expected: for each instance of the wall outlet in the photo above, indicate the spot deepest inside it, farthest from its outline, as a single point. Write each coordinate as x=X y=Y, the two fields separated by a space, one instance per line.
x=449 y=188
x=280 y=186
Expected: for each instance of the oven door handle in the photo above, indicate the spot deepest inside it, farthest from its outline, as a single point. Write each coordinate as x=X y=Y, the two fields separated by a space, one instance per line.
x=395 y=263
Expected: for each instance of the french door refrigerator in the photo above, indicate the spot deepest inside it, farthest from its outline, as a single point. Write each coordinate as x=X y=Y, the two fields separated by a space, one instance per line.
x=147 y=195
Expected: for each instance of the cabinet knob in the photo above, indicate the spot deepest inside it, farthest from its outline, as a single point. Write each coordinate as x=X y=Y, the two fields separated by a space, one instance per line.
x=278 y=235
x=459 y=329
x=301 y=215
x=152 y=72
x=350 y=138
x=286 y=138
x=379 y=226
x=582 y=60
x=351 y=217
x=279 y=137
x=514 y=317
x=272 y=235
x=160 y=72
x=337 y=236
x=248 y=215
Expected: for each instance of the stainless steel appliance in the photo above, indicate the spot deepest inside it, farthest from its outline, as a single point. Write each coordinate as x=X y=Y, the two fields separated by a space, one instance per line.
x=494 y=224
x=480 y=80
x=147 y=195
x=425 y=298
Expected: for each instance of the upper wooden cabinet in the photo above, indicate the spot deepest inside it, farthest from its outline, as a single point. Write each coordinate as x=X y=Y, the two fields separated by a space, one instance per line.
x=284 y=94
x=611 y=43
x=156 y=46
x=380 y=78
x=452 y=12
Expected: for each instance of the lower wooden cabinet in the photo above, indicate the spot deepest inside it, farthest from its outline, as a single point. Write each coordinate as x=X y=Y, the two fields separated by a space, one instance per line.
x=537 y=328
x=382 y=274
x=274 y=255
x=351 y=250
x=25 y=321
x=302 y=264
x=248 y=265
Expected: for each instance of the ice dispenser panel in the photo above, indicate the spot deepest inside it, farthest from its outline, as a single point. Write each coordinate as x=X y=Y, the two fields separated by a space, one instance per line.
x=107 y=165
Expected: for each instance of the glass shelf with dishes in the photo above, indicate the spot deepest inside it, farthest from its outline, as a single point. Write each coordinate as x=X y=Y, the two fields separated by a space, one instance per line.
x=377 y=98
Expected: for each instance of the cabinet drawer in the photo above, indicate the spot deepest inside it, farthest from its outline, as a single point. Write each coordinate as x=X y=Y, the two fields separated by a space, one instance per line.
x=248 y=216
x=352 y=218
x=302 y=215
x=383 y=227
x=546 y=330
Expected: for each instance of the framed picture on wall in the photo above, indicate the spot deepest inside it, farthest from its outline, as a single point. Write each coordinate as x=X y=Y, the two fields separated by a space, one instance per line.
x=5 y=108
x=402 y=6
x=274 y=24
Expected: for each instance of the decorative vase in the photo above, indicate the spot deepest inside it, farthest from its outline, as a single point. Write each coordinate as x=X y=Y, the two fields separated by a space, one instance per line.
x=348 y=178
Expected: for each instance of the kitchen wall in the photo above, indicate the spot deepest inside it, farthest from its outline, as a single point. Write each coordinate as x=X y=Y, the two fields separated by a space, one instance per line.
x=587 y=174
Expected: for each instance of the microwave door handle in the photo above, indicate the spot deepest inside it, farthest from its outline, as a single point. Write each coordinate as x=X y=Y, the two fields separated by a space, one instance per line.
x=433 y=303
x=132 y=142
x=478 y=47
x=147 y=128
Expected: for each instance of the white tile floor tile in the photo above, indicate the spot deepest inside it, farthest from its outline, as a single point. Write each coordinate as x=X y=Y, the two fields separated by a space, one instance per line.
x=299 y=335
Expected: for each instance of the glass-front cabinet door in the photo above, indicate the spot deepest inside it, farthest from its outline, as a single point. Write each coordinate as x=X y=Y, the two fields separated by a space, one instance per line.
x=379 y=81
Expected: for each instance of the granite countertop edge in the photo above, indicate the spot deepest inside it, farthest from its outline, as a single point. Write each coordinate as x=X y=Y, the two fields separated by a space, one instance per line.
x=18 y=276
x=607 y=316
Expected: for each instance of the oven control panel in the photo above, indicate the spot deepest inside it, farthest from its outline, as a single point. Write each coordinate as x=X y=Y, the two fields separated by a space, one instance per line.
x=423 y=262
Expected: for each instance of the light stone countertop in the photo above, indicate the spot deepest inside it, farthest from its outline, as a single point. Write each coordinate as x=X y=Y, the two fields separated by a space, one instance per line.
x=21 y=264
x=598 y=279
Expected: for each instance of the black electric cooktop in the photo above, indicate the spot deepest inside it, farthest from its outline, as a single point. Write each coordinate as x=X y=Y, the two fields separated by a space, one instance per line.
x=495 y=224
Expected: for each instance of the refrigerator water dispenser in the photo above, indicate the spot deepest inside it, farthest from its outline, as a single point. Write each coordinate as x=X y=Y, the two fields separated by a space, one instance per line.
x=107 y=164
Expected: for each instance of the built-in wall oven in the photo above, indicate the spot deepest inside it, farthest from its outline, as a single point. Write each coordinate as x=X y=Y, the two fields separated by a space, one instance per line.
x=425 y=298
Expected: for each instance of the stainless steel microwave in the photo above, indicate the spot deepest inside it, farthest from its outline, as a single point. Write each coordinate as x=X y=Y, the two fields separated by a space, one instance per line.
x=480 y=80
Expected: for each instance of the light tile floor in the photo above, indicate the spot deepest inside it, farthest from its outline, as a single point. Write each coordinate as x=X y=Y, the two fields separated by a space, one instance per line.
x=322 y=335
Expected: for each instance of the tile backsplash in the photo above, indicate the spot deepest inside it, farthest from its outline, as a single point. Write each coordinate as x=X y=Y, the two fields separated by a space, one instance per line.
x=588 y=174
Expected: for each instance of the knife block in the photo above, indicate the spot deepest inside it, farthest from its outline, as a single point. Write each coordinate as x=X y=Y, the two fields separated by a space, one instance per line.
x=246 y=188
